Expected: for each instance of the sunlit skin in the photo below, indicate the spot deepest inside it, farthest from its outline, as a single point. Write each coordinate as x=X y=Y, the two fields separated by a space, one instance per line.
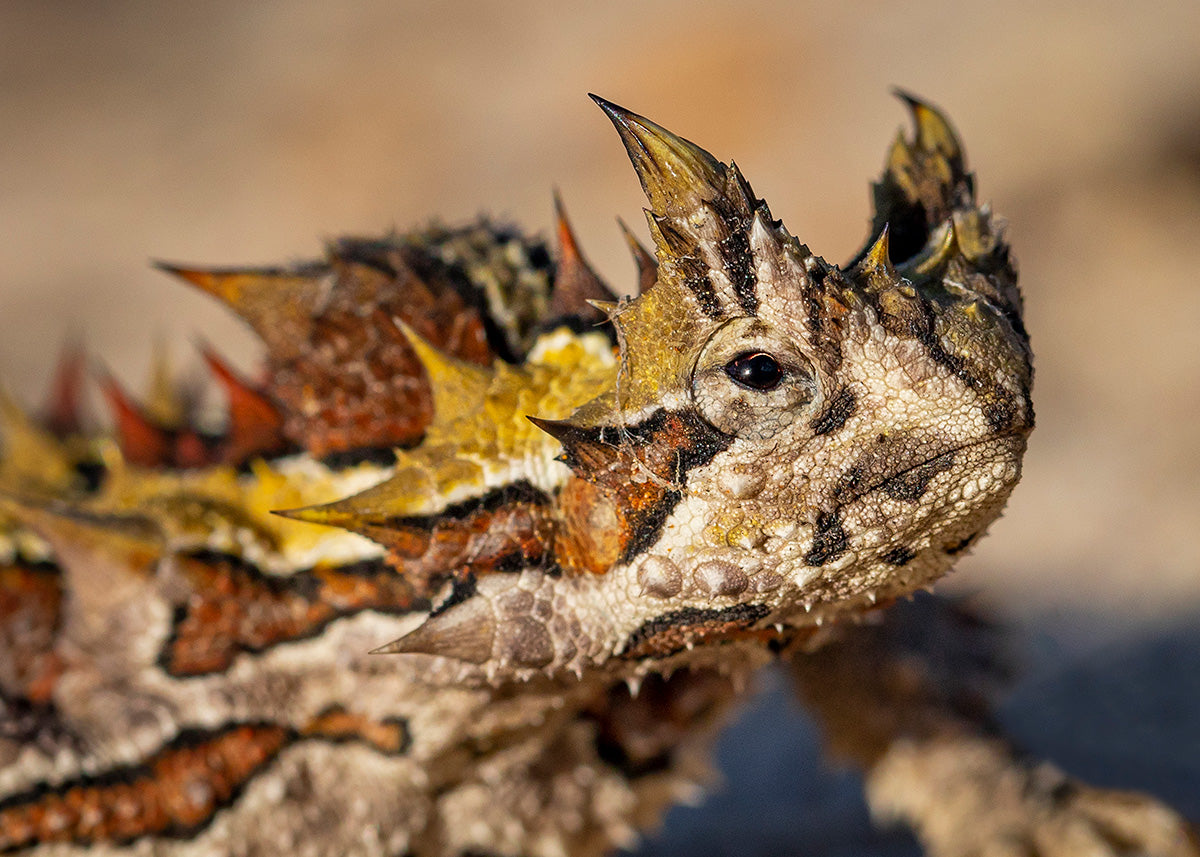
x=482 y=561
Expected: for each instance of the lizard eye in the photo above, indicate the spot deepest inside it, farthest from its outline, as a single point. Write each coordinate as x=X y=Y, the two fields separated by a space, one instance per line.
x=755 y=370
x=752 y=380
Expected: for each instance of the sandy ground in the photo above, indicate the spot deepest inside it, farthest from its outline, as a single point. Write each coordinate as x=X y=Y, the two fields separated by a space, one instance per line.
x=229 y=132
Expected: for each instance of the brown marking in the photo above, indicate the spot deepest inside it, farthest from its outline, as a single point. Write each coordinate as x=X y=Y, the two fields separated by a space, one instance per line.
x=148 y=442
x=354 y=381
x=176 y=792
x=503 y=530
x=390 y=736
x=193 y=450
x=593 y=526
x=824 y=314
x=31 y=597
x=625 y=484
x=342 y=380
x=234 y=608
x=339 y=370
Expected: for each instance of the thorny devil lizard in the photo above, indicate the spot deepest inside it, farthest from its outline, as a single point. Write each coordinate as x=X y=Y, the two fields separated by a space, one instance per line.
x=576 y=540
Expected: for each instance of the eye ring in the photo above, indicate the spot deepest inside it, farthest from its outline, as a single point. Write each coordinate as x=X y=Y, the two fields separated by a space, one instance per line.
x=755 y=370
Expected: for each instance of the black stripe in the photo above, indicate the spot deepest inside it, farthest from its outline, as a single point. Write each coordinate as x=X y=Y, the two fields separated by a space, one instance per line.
x=132 y=774
x=899 y=555
x=829 y=539
x=343 y=459
x=885 y=466
x=688 y=264
x=303 y=584
x=913 y=482
x=649 y=525
x=999 y=405
x=734 y=247
x=960 y=546
x=837 y=410
x=461 y=588
x=520 y=491
x=743 y=614
x=706 y=440
x=739 y=265
x=696 y=279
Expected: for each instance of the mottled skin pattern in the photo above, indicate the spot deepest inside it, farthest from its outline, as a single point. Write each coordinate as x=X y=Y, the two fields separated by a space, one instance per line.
x=471 y=574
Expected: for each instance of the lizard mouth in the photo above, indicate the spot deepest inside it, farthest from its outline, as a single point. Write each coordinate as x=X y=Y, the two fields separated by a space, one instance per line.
x=911 y=481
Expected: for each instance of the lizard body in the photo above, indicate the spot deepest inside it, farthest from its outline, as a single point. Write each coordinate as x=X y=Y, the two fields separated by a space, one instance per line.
x=472 y=571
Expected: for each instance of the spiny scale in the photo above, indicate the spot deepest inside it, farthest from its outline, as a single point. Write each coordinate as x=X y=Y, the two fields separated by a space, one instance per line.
x=255 y=425
x=876 y=265
x=448 y=461
x=576 y=286
x=647 y=265
x=63 y=411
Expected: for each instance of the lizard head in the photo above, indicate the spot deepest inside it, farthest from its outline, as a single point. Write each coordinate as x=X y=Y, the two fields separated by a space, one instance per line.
x=783 y=440
x=777 y=440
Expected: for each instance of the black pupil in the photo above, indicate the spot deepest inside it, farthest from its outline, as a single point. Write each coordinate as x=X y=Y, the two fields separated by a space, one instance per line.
x=757 y=371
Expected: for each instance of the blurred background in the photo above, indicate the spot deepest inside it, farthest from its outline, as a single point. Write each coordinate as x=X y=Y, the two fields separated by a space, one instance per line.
x=230 y=132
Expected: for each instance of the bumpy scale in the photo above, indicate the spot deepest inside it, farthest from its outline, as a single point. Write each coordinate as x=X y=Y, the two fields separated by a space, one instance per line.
x=449 y=459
